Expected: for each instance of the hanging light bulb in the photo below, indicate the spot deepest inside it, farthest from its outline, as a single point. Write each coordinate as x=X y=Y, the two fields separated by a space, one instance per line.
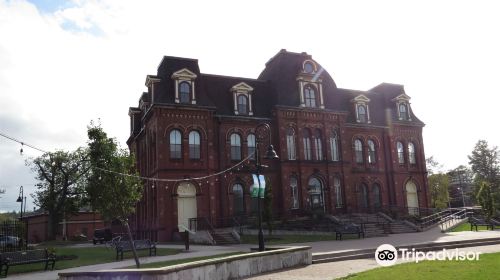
x=21 y=151
x=100 y=178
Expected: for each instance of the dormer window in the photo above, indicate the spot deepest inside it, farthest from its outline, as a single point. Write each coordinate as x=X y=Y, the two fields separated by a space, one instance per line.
x=362 y=114
x=403 y=107
x=242 y=96
x=361 y=109
x=310 y=96
x=309 y=67
x=242 y=105
x=403 y=112
x=184 y=92
x=184 y=86
x=310 y=86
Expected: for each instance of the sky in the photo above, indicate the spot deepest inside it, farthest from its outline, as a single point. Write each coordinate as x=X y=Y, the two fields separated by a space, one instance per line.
x=65 y=63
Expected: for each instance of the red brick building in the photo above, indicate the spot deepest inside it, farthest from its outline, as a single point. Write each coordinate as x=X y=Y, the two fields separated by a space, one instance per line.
x=340 y=150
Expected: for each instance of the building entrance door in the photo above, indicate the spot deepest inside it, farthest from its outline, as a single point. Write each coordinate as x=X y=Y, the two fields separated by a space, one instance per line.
x=186 y=205
x=412 y=198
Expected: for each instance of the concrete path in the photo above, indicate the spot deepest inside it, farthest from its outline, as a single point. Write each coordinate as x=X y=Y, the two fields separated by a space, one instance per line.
x=328 y=271
x=315 y=271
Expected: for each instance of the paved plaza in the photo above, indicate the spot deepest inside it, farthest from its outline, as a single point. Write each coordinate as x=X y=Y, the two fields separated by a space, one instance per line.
x=316 y=271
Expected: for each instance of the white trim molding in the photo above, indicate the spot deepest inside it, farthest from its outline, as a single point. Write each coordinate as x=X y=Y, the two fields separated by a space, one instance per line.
x=242 y=89
x=184 y=75
x=361 y=100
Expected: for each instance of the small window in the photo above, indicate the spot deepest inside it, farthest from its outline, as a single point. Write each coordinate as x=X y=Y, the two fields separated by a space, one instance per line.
x=403 y=112
x=411 y=153
x=364 y=196
x=318 y=148
x=290 y=144
x=334 y=146
x=376 y=196
x=175 y=144
x=307 y=145
x=235 y=147
x=295 y=192
x=238 y=199
x=242 y=104
x=251 y=146
x=308 y=67
x=371 y=152
x=338 y=193
x=362 y=116
x=401 y=153
x=194 y=145
x=358 y=151
x=184 y=92
x=310 y=96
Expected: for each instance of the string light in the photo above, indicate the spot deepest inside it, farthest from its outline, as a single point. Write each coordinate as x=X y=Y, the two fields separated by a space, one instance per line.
x=225 y=171
x=21 y=151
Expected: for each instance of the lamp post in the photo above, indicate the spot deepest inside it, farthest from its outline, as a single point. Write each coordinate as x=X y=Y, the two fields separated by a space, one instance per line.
x=270 y=154
x=21 y=199
x=463 y=200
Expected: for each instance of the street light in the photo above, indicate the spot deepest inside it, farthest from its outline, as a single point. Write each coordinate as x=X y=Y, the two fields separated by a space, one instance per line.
x=21 y=199
x=270 y=154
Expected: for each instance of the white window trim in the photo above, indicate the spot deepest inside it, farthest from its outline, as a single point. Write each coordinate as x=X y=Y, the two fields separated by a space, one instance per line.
x=242 y=89
x=364 y=101
x=403 y=99
x=184 y=75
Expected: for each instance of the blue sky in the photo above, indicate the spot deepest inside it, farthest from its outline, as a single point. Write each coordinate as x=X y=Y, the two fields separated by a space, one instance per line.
x=50 y=6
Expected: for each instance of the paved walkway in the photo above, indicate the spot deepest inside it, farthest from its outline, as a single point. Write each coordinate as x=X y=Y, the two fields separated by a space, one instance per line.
x=319 y=271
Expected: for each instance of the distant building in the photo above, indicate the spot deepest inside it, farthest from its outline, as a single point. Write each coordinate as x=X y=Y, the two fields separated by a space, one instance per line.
x=82 y=223
x=340 y=150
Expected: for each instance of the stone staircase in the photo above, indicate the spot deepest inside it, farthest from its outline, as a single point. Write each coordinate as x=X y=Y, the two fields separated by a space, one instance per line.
x=224 y=237
x=401 y=227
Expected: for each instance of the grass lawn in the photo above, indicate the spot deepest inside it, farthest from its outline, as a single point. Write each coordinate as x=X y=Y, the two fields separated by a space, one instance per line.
x=466 y=227
x=174 y=262
x=286 y=239
x=486 y=268
x=85 y=256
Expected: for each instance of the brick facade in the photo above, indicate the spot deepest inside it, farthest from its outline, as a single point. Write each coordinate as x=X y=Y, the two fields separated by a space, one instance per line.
x=293 y=93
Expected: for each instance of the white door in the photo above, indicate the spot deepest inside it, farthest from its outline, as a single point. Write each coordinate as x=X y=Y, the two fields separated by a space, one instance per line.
x=412 y=198
x=186 y=205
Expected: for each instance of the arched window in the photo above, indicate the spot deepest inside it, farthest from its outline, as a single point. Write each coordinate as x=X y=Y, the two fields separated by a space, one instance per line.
x=194 y=145
x=242 y=104
x=338 y=193
x=310 y=96
x=358 y=151
x=362 y=116
x=307 y=144
x=412 y=198
x=175 y=144
x=376 y=196
x=401 y=153
x=290 y=144
x=371 y=152
x=184 y=92
x=238 y=199
x=295 y=192
x=334 y=146
x=235 y=147
x=411 y=153
x=316 y=193
x=308 y=67
x=318 y=148
x=251 y=145
x=403 y=112
x=364 y=196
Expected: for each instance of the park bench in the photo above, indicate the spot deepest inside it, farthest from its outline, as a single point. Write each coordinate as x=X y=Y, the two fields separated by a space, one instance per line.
x=474 y=222
x=348 y=229
x=25 y=257
x=124 y=246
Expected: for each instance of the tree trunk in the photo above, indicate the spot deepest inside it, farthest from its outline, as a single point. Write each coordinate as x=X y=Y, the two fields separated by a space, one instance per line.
x=52 y=224
x=131 y=240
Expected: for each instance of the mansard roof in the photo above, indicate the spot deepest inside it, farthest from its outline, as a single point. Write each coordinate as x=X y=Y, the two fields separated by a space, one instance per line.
x=276 y=85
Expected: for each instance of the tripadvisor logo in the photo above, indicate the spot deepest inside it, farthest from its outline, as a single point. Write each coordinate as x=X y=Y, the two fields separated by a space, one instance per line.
x=387 y=255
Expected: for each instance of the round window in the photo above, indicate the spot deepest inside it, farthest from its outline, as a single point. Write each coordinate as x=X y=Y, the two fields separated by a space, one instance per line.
x=308 y=67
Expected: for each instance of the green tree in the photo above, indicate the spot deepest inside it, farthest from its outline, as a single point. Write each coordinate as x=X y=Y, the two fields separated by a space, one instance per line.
x=485 y=163
x=111 y=194
x=486 y=200
x=60 y=190
x=438 y=184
